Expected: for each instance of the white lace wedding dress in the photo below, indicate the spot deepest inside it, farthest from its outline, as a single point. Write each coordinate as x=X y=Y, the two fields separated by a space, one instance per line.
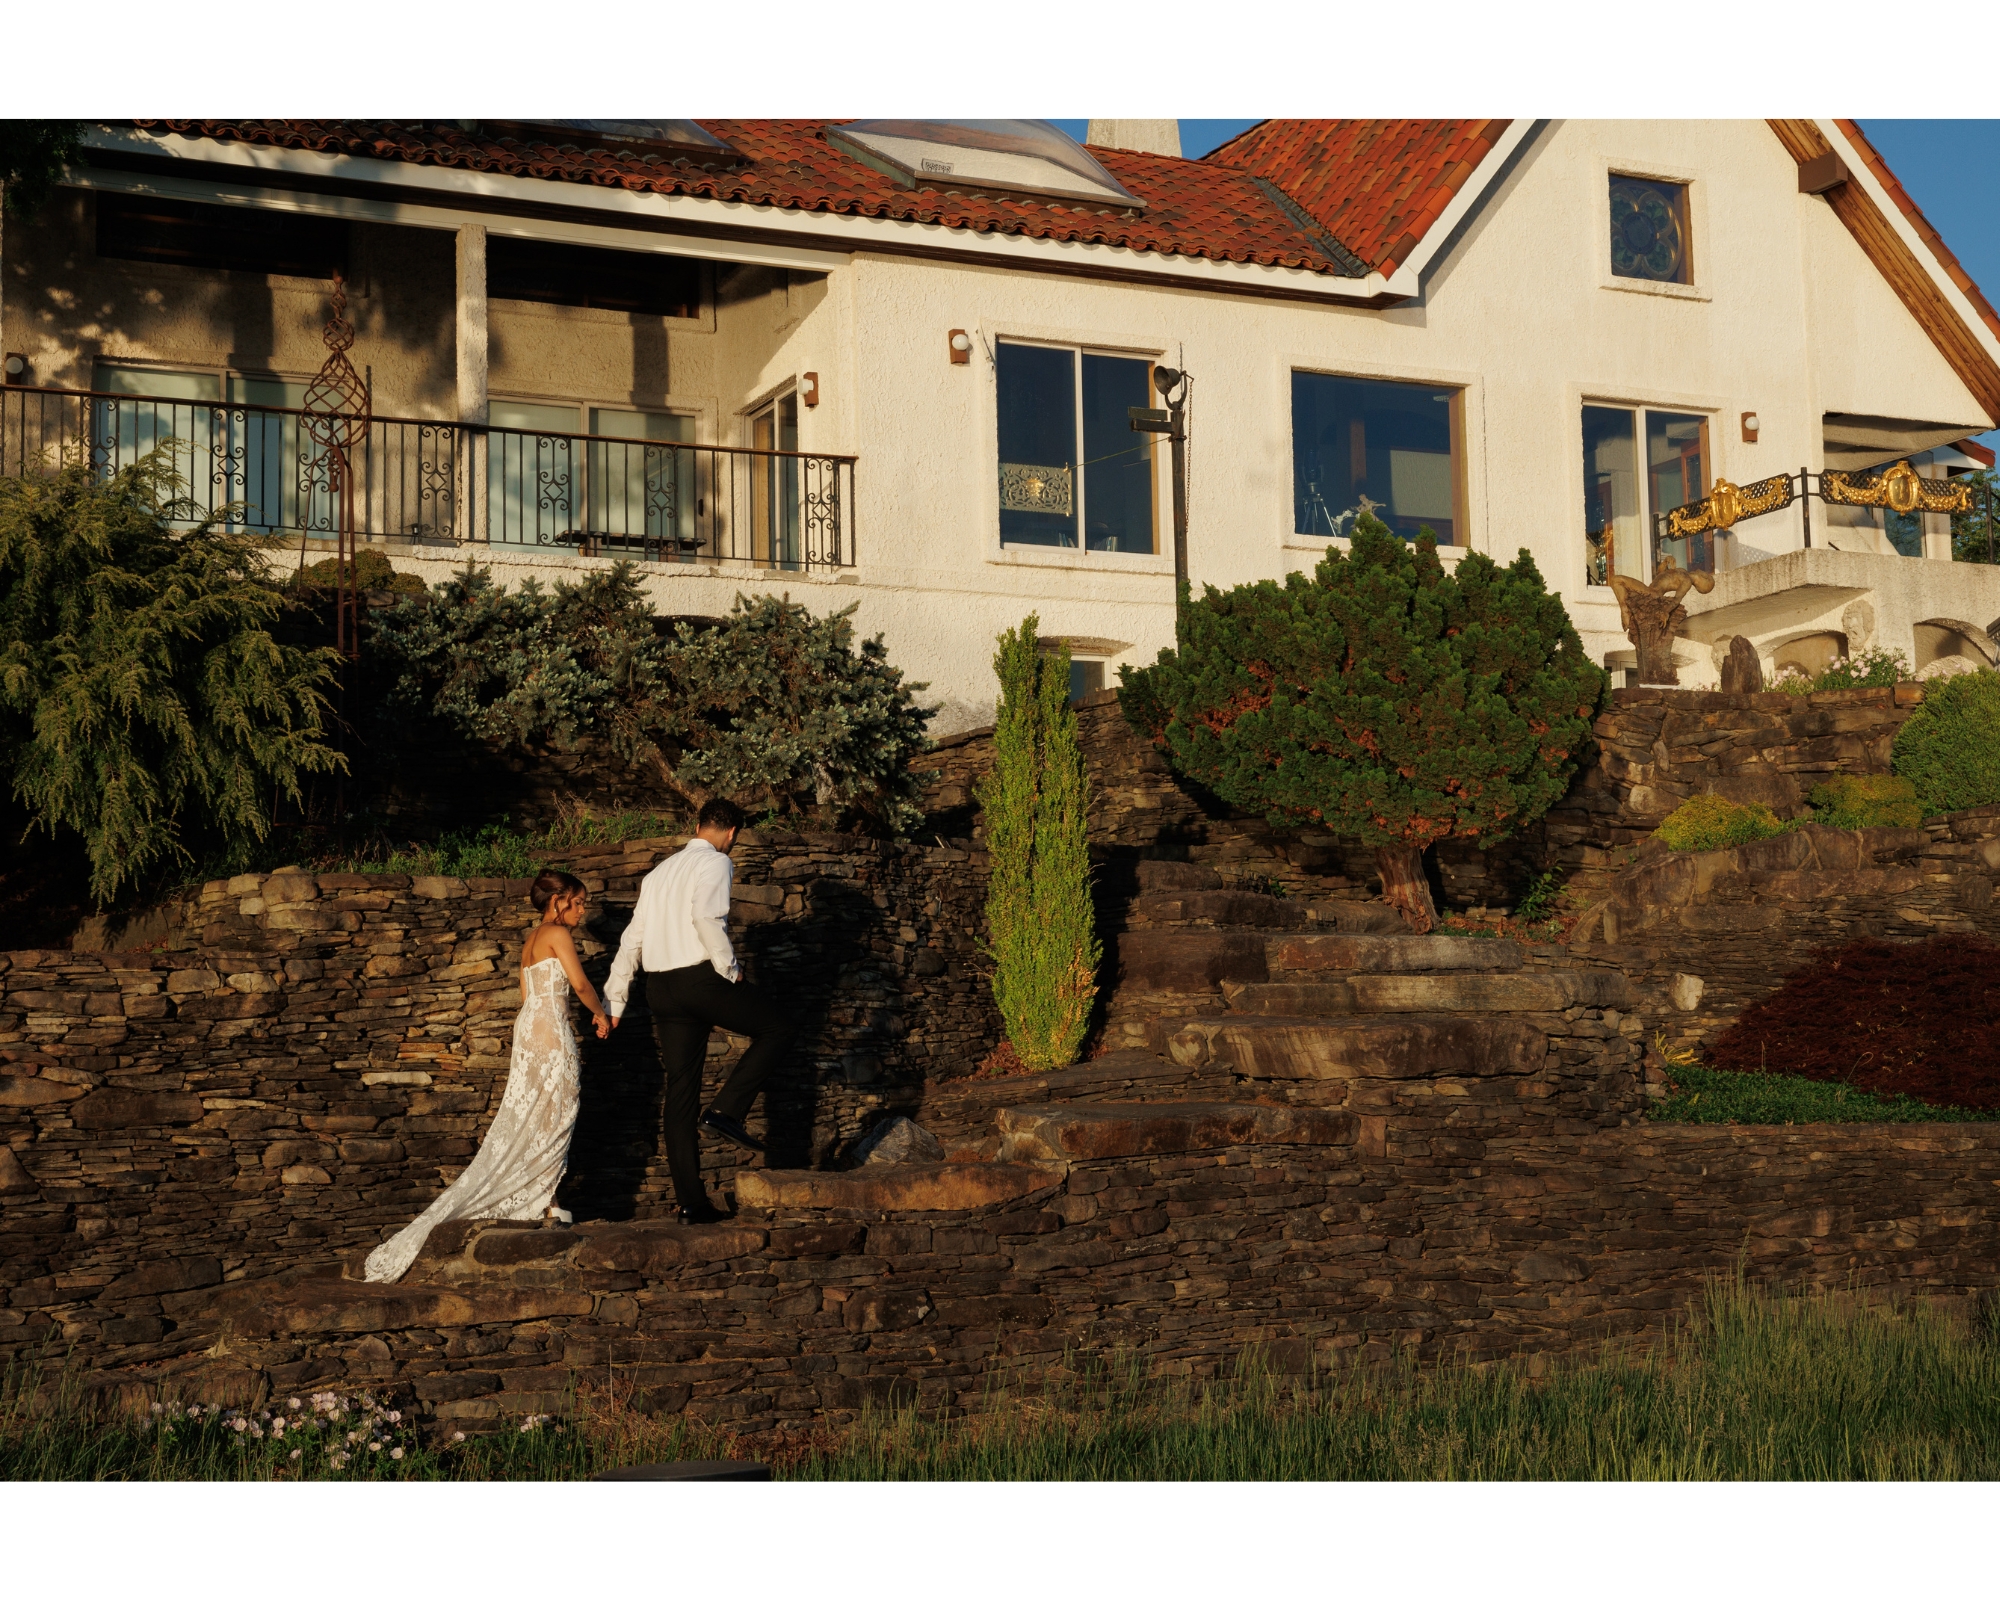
x=513 y=1178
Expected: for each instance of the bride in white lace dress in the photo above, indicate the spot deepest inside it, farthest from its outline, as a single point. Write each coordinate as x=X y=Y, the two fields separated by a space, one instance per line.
x=514 y=1176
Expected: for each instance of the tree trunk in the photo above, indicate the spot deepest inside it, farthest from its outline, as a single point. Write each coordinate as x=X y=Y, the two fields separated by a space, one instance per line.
x=1404 y=885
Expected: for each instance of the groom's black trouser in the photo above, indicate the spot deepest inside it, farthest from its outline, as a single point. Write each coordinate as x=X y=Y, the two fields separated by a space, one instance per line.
x=686 y=1003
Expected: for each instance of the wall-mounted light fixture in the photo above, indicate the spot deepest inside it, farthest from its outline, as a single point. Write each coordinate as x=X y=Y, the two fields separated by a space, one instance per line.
x=809 y=388
x=961 y=347
x=1749 y=427
x=17 y=367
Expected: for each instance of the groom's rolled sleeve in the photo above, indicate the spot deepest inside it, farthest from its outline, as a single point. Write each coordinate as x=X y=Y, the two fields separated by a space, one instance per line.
x=618 y=986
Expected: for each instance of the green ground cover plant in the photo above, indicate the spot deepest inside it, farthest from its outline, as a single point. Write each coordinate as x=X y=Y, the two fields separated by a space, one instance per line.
x=1706 y=1095
x=1709 y=822
x=491 y=850
x=1949 y=749
x=1881 y=801
x=1752 y=1385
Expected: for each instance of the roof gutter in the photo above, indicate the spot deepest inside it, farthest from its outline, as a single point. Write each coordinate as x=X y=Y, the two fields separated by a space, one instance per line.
x=410 y=194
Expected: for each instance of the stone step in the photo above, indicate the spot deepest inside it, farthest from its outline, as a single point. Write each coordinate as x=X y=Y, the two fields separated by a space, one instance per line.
x=1441 y=1046
x=1199 y=961
x=1404 y=952
x=1115 y=1131
x=1367 y=994
x=946 y=1186
x=1241 y=908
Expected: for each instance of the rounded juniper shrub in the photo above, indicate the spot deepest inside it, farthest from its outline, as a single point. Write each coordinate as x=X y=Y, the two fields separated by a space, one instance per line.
x=1950 y=747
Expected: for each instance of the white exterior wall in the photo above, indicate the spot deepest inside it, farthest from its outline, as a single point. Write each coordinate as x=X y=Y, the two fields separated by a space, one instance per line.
x=1786 y=318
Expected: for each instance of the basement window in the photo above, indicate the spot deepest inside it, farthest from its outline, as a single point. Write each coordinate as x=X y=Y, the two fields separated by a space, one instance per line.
x=637 y=281
x=186 y=233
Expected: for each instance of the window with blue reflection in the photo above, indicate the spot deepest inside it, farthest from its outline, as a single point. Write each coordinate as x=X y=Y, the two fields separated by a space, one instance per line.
x=1070 y=464
x=1366 y=444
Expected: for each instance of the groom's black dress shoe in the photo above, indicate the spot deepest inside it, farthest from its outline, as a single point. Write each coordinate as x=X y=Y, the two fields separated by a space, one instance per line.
x=702 y=1213
x=730 y=1129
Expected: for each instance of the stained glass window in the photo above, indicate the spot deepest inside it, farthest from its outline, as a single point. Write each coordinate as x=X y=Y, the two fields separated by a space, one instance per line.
x=1649 y=230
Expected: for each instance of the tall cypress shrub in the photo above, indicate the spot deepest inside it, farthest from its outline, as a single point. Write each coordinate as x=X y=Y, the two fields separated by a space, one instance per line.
x=1040 y=925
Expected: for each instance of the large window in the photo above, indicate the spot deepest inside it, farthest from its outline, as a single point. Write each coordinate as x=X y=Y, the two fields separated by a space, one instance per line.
x=1360 y=444
x=1071 y=468
x=1649 y=230
x=1622 y=503
x=186 y=233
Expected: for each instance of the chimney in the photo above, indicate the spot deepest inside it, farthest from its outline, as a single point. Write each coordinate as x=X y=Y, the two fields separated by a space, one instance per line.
x=1160 y=136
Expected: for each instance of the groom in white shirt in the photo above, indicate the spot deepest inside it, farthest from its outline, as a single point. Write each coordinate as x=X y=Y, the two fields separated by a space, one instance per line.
x=680 y=928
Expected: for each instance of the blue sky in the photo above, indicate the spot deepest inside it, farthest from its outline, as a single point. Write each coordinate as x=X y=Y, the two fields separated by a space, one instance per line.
x=1951 y=168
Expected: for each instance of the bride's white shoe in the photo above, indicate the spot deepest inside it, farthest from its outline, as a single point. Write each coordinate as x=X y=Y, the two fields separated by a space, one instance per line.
x=556 y=1214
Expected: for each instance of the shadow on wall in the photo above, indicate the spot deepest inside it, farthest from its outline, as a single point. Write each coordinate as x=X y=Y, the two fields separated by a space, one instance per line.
x=826 y=968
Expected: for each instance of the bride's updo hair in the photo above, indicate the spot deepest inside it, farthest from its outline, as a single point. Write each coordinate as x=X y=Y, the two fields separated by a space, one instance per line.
x=552 y=886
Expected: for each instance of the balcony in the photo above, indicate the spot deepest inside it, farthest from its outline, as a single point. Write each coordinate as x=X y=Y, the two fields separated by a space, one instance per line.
x=649 y=499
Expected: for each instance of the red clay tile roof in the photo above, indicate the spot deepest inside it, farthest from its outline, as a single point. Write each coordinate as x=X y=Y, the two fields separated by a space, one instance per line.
x=1193 y=208
x=1377 y=185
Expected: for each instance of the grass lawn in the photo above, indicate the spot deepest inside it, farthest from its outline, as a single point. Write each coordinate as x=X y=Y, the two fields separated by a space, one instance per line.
x=1703 y=1094
x=1752 y=1386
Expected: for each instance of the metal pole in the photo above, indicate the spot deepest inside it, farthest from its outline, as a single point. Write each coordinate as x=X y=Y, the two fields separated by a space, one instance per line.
x=1179 y=440
x=1805 y=504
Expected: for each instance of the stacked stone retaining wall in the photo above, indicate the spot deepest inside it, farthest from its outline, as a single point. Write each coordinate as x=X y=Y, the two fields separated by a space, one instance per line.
x=1192 y=1234
x=309 y=1059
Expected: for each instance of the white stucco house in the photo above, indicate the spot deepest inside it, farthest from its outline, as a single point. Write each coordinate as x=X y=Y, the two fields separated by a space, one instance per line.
x=892 y=363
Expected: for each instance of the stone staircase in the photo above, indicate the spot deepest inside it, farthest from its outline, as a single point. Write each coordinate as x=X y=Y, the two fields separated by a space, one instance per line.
x=1333 y=1001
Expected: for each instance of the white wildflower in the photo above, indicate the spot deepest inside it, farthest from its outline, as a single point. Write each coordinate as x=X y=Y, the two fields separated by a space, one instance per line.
x=396 y=1454
x=295 y=1455
x=458 y=1438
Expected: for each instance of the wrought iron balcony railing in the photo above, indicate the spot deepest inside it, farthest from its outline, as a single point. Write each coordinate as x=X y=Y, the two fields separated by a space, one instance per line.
x=651 y=499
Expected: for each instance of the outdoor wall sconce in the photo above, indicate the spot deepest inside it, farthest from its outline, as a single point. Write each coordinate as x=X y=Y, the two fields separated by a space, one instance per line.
x=17 y=368
x=809 y=388
x=1749 y=427
x=961 y=347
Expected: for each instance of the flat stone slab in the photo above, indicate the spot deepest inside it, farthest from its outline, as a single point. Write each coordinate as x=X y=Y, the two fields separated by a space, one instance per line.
x=1188 y=960
x=1100 y=1132
x=336 y=1305
x=1409 y=952
x=1385 y=1047
x=943 y=1186
x=1370 y=992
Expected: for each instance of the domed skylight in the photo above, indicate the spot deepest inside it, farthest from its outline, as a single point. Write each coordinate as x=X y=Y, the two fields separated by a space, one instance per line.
x=1001 y=156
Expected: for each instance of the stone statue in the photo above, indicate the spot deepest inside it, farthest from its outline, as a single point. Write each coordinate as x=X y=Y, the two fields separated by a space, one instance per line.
x=1653 y=615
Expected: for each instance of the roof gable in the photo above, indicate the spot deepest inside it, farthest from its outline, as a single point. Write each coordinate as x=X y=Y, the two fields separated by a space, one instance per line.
x=1967 y=335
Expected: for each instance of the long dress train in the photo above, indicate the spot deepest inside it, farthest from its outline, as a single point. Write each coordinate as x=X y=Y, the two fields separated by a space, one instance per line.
x=514 y=1176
